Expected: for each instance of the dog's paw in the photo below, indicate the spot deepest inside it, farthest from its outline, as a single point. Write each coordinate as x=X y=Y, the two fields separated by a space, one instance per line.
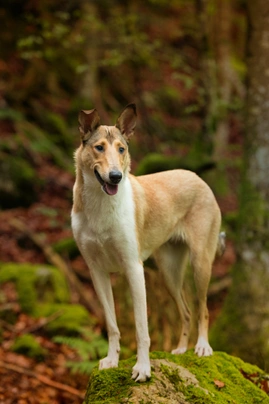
x=108 y=363
x=141 y=372
x=203 y=348
x=179 y=351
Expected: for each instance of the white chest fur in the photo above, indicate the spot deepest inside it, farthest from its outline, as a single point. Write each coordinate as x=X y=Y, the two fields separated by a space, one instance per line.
x=105 y=230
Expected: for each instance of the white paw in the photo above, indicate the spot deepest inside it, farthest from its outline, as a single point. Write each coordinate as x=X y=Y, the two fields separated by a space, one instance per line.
x=108 y=363
x=179 y=351
x=203 y=348
x=141 y=372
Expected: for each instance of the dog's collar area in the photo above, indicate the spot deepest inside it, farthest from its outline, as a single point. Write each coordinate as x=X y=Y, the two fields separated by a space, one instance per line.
x=109 y=189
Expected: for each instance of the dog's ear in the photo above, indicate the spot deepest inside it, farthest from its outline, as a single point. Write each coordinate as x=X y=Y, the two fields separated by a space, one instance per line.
x=127 y=120
x=89 y=121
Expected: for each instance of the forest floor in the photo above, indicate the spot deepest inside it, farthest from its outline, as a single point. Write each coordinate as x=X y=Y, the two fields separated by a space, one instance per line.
x=25 y=380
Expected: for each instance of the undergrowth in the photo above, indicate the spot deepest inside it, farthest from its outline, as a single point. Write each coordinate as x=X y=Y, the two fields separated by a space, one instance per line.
x=90 y=347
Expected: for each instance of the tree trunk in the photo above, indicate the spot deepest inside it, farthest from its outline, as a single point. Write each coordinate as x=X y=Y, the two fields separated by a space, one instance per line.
x=243 y=327
x=224 y=72
x=228 y=82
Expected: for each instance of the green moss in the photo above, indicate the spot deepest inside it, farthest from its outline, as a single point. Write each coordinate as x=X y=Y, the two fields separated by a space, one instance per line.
x=116 y=386
x=72 y=317
x=224 y=368
x=35 y=283
x=28 y=345
x=110 y=385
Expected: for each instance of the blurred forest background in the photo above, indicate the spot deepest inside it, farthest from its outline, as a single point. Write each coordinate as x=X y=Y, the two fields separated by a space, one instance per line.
x=198 y=72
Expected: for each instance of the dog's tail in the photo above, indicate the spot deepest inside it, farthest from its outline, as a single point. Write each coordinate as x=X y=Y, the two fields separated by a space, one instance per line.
x=221 y=244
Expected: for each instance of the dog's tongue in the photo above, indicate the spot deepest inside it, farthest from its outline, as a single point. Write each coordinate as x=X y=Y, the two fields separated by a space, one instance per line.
x=110 y=189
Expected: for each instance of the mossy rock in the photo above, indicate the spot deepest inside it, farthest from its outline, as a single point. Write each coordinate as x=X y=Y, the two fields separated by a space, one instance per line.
x=28 y=345
x=43 y=292
x=35 y=284
x=184 y=379
x=155 y=162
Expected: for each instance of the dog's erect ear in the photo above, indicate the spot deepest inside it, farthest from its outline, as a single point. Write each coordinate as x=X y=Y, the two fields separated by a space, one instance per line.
x=89 y=121
x=127 y=120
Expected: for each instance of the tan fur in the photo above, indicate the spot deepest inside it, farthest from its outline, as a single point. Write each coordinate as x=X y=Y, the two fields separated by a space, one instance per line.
x=171 y=215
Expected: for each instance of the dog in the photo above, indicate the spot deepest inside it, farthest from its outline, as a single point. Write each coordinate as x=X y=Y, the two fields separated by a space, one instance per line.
x=119 y=220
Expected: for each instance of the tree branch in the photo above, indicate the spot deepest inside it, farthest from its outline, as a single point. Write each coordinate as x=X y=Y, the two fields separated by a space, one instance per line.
x=43 y=379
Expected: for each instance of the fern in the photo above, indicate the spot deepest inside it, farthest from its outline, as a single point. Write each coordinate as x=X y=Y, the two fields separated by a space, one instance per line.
x=84 y=367
x=90 y=348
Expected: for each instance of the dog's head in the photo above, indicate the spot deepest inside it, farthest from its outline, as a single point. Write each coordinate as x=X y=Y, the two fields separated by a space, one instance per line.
x=104 y=149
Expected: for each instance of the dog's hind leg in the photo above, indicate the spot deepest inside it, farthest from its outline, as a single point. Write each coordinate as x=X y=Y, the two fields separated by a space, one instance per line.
x=203 y=240
x=102 y=285
x=202 y=255
x=172 y=259
x=202 y=271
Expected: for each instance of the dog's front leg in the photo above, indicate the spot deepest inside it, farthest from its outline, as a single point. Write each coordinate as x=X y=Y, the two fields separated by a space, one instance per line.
x=136 y=279
x=102 y=285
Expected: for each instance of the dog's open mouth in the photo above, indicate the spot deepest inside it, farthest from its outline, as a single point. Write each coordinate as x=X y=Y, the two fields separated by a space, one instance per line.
x=110 y=189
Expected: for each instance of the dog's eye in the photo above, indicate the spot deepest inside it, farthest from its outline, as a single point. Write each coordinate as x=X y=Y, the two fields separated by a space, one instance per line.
x=99 y=148
x=121 y=150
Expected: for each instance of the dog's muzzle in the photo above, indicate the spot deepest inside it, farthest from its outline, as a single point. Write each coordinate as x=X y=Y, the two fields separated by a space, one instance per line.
x=110 y=188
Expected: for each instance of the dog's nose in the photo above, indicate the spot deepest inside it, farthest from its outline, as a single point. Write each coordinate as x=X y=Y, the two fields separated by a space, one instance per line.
x=115 y=176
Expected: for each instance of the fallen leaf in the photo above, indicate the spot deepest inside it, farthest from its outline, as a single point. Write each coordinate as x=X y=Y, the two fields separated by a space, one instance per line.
x=265 y=386
x=219 y=384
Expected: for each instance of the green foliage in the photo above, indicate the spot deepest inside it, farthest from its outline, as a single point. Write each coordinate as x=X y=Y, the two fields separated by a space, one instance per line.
x=90 y=348
x=12 y=114
x=23 y=151
x=66 y=246
x=39 y=142
x=28 y=345
x=48 y=35
x=19 y=182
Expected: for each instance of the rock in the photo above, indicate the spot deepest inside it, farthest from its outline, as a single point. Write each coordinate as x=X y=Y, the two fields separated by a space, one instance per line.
x=183 y=379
